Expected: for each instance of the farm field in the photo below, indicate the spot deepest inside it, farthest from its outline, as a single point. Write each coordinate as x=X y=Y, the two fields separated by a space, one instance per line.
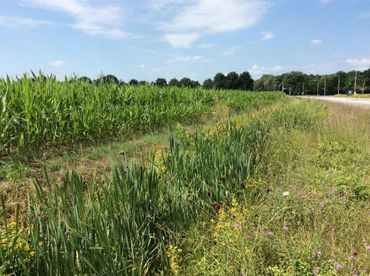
x=116 y=180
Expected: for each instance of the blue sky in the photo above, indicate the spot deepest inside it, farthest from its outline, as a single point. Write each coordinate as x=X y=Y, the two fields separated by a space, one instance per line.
x=146 y=39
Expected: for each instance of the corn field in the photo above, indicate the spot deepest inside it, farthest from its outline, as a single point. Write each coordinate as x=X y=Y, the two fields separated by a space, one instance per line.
x=40 y=112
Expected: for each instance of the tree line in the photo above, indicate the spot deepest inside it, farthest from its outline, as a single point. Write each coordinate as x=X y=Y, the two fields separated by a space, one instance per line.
x=308 y=84
x=294 y=83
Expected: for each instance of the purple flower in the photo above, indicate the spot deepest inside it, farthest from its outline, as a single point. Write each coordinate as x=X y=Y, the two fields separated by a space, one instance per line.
x=285 y=229
x=368 y=247
x=339 y=267
x=270 y=233
x=333 y=191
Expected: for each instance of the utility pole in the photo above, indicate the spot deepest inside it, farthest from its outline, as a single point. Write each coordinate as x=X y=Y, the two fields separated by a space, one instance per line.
x=303 y=89
x=317 y=89
x=338 y=84
x=325 y=88
x=354 y=90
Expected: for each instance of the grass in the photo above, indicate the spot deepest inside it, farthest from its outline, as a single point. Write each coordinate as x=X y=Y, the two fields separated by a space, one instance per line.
x=311 y=216
x=282 y=190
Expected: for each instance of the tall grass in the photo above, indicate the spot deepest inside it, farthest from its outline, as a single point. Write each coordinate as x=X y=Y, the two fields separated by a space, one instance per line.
x=121 y=224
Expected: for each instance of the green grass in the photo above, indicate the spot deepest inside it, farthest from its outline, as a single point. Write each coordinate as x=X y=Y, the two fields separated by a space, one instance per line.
x=311 y=216
x=282 y=190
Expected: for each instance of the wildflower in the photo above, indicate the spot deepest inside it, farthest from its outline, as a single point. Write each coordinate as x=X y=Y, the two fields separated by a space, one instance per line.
x=368 y=247
x=326 y=200
x=236 y=225
x=285 y=229
x=330 y=261
x=286 y=193
x=351 y=258
x=339 y=267
x=270 y=233
x=316 y=270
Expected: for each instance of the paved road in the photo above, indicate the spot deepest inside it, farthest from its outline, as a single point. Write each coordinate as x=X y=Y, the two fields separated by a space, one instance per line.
x=364 y=102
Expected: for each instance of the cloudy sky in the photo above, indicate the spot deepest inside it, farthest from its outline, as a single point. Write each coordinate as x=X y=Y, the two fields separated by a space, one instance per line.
x=146 y=39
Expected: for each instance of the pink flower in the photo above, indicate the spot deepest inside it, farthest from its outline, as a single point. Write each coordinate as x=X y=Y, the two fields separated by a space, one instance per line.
x=270 y=233
x=285 y=229
x=368 y=247
x=351 y=258
x=236 y=225
x=339 y=267
x=316 y=270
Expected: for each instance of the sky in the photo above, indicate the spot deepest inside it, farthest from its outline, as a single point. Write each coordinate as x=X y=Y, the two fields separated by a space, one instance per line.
x=147 y=39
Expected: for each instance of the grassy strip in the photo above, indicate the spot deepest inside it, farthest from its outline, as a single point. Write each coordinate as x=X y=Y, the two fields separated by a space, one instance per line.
x=311 y=215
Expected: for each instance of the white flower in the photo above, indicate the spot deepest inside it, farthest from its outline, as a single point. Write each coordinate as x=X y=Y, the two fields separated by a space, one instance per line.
x=286 y=193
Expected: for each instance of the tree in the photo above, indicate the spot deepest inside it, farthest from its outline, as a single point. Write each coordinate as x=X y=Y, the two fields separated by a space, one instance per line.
x=186 y=82
x=366 y=76
x=110 y=79
x=133 y=82
x=208 y=84
x=219 y=81
x=174 y=82
x=85 y=79
x=294 y=81
x=161 y=82
x=245 y=81
x=232 y=81
x=266 y=83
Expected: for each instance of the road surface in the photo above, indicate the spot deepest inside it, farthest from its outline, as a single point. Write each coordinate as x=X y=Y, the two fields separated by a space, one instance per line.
x=364 y=102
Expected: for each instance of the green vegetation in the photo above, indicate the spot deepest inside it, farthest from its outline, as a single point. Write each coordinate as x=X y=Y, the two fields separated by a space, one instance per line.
x=44 y=112
x=276 y=186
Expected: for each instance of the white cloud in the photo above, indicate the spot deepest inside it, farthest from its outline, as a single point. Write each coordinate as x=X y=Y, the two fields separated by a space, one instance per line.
x=184 y=40
x=359 y=63
x=231 y=51
x=211 y=16
x=267 y=36
x=56 y=63
x=184 y=59
x=257 y=71
x=316 y=41
x=21 y=22
x=91 y=19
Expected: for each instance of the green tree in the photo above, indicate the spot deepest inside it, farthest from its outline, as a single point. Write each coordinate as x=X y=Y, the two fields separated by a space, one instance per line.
x=174 y=82
x=161 y=82
x=133 y=82
x=232 y=81
x=245 y=81
x=208 y=84
x=219 y=81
